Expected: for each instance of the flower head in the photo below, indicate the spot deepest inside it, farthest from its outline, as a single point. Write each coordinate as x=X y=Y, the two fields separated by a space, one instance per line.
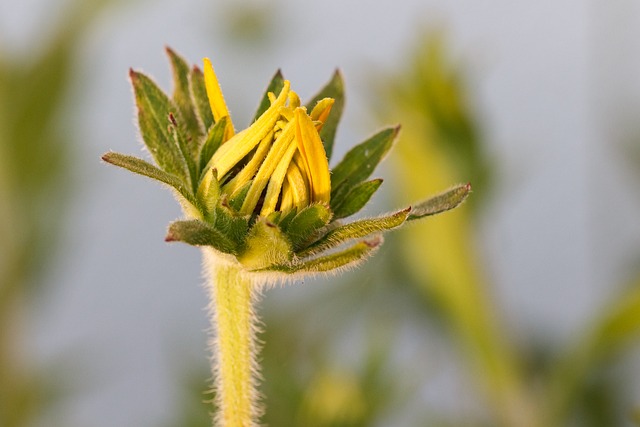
x=264 y=197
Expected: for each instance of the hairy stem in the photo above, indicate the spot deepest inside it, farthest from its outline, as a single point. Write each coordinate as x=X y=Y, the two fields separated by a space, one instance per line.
x=234 y=347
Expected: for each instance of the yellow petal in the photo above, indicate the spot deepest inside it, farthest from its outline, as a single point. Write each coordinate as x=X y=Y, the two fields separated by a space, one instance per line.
x=297 y=186
x=216 y=99
x=275 y=182
x=286 y=204
x=314 y=156
x=278 y=150
x=250 y=169
x=321 y=111
x=234 y=150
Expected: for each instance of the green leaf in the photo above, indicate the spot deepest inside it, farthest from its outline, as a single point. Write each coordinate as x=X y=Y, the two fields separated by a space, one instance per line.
x=237 y=198
x=275 y=86
x=442 y=202
x=199 y=233
x=304 y=226
x=182 y=99
x=359 y=163
x=212 y=143
x=266 y=245
x=234 y=226
x=334 y=89
x=153 y=110
x=181 y=141
x=200 y=98
x=144 y=168
x=355 y=199
x=209 y=194
x=356 y=230
x=347 y=258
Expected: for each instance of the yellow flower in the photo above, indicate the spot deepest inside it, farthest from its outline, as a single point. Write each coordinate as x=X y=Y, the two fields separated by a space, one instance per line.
x=278 y=162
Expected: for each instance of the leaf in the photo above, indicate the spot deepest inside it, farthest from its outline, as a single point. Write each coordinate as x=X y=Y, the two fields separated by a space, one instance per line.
x=275 y=86
x=144 y=168
x=237 y=198
x=359 y=163
x=442 y=202
x=356 y=230
x=199 y=233
x=212 y=143
x=356 y=198
x=200 y=98
x=177 y=134
x=209 y=194
x=304 y=226
x=339 y=260
x=153 y=109
x=182 y=99
x=234 y=226
x=334 y=89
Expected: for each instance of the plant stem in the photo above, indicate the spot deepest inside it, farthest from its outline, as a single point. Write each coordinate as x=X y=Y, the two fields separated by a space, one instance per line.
x=234 y=345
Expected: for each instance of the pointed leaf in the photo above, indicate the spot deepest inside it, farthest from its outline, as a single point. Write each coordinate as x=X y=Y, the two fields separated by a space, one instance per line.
x=209 y=194
x=199 y=233
x=275 y=86
x=182 y=99
x=141 y=167
x=347 y=258
x=304 y=225
x=237 y=198
x=234 y=226
x=356 y=230
x=265 y=245
x=177 y=134
x=359 y=163
x=212 y=143
x=334 y=89
x=441 y=203
x=200 y=99
x=153 y=109
x=355 y=199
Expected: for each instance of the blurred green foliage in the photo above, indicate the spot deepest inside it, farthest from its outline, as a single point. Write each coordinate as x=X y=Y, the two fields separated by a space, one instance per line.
x=35 y=160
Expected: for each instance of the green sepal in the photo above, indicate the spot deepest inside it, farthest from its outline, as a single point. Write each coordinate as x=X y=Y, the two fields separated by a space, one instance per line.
x=182 y=99
x=305 y=225
x=237 y=198
x=339 y=260
x=356 y=198
x=334 y=89
x=356 y=230
x=358 y=164
x=265 y=245
x=234 y=226
x=199 y=233
x=275 y=86
x=209 y=194
x=180 y=140
x=144 y=168
x=441 y=203
x=287 y=218
x=212 y=142
x=153 y=110
x=200 y=98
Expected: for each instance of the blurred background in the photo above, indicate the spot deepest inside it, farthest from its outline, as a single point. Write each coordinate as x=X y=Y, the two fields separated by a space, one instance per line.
x=522 y=308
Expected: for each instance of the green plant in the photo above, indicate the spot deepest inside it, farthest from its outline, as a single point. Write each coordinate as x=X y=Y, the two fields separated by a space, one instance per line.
x=261 y=202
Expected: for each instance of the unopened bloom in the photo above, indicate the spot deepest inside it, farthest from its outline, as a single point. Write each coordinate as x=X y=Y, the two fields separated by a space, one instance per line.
x=264 y=196
x=261 y=202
